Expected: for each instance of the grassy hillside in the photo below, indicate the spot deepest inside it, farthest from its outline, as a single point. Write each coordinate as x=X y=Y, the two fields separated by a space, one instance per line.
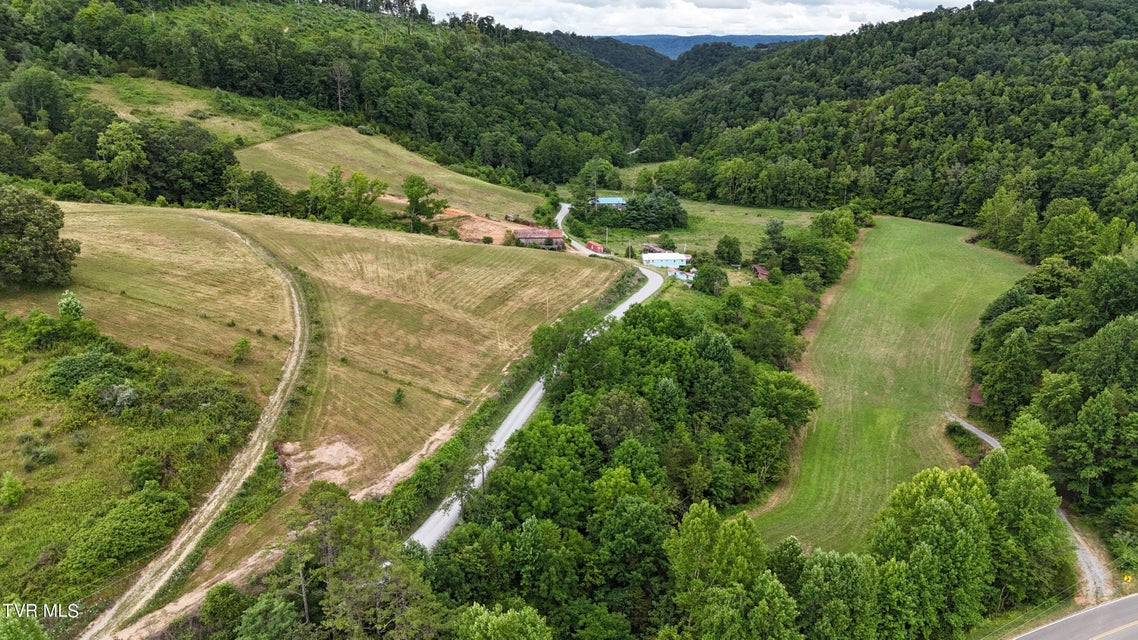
x=165 y=279
x=153 y=278
x=437 y=318
x=233 y=118
x=889 y=357
x=290 y=159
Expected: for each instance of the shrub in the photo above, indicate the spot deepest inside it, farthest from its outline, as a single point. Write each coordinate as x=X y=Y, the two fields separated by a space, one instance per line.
x=80 y=440
x=222 y=608
x=135 y=525
x=11 y=491
x=70 y=308
x=68 y=372
x=487 y=240
x=399 y=396
x=241 y=350
x=72 y=192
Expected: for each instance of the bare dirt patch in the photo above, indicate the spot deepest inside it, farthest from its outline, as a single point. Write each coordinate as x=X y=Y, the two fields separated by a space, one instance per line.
x=404 y=469
x=334 y=462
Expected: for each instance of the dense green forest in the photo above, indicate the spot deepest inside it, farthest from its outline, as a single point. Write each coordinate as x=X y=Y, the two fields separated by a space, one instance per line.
x=924 y=118
x=465 y=91
x=1057 y=360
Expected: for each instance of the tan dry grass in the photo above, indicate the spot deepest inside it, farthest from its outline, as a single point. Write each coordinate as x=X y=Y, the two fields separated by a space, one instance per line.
x=159 y=277
x=291 y=158
x=438 y=318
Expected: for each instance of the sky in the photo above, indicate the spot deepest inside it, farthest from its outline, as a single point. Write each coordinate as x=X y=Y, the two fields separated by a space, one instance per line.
x=691 y=17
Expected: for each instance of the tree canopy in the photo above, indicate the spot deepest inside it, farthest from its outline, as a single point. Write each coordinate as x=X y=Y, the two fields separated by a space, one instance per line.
x=31 y=251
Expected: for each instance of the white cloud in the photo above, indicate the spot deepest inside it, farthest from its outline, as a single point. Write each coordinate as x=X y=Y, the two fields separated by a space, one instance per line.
x=722 y=4
x=689 y=17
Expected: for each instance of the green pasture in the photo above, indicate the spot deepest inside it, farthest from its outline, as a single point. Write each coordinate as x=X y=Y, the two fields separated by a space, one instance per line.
x=889 y=357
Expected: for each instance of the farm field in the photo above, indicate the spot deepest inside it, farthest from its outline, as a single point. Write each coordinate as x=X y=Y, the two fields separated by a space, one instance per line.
x=165 y=279
x=889 y=356
x=438 y=318
x=229 y=116
x=291 y=158
x=707 y=223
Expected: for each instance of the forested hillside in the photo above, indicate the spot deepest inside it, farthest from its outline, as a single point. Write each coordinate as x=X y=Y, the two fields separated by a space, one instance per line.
x=925 y=117
x=464 y=91
x=639 y=60
x=673 y=46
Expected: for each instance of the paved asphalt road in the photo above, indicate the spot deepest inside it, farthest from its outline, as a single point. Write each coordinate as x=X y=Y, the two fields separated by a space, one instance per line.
x=1117 y=620
x=446 y=517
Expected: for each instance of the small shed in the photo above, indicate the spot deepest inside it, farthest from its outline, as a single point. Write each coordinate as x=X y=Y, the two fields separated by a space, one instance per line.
x=760 y=271
x=681 y=275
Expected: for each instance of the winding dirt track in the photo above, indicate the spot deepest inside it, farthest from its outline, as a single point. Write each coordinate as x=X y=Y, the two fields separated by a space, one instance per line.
x=1096 y=583
x=160 y=570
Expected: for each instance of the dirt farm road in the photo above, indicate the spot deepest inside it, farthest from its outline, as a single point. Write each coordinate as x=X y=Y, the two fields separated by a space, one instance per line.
x=159 y=571
x=1095 y=584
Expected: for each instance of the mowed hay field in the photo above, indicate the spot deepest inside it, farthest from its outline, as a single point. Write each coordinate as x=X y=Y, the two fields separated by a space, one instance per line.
x=890 y=356
x=707 y=223
x=290 y=159
x=438 y=318
x=162 y=278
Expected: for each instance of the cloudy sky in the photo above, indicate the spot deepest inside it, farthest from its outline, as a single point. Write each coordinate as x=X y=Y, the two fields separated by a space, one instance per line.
x=689 y=17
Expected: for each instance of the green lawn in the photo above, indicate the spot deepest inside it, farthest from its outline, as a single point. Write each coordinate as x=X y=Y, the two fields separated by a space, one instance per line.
x=889 y=357
x=707 y=223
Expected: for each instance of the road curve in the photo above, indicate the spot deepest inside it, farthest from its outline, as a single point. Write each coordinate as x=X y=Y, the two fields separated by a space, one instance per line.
x=1117 y=620
x=160 y=569
x=560 y=219
x=446 y=517
x=1096 y=577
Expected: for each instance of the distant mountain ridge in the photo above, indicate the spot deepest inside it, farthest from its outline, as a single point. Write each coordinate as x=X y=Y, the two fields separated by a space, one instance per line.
x=673 y=45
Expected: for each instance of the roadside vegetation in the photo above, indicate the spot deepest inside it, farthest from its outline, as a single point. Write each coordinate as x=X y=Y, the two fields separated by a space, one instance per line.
x=1054 y=357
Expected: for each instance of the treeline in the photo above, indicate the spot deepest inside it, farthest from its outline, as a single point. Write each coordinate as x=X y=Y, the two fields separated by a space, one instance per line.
x=1057 y=363
x=73 y=148
x=162 y=429
x=467 y=91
